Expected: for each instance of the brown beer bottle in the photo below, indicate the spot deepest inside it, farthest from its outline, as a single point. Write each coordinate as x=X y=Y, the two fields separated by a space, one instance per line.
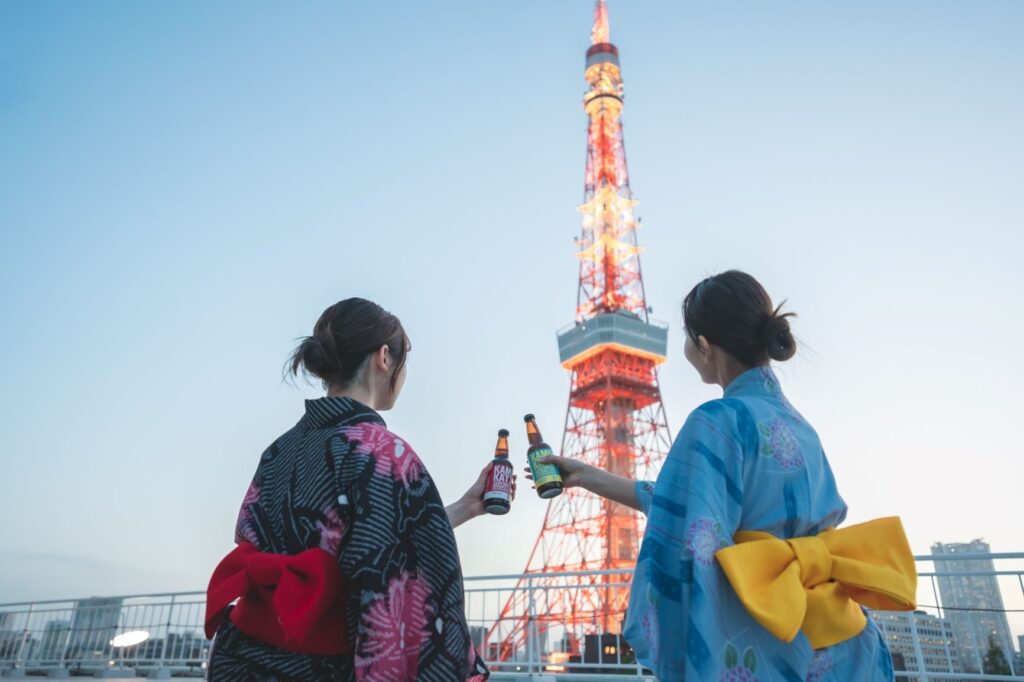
x=498 y=488
x=546 y=477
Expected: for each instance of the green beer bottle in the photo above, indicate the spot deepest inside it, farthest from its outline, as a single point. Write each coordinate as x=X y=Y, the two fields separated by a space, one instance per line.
x=546 y=477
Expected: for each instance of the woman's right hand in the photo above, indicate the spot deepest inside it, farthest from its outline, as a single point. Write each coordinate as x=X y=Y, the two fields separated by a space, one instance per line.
x=575 y=473
x=579 y=474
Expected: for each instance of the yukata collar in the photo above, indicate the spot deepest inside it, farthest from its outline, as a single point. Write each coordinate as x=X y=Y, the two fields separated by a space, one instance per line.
x=329 y=411
x=755 y=381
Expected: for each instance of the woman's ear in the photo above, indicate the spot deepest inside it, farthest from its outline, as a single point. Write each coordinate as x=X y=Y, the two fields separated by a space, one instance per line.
x=704 y=347
x=382 y=359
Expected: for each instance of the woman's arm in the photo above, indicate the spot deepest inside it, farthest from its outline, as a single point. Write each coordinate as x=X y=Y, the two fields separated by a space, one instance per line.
x=577 y=474
x=462 y=511
x=471 y=504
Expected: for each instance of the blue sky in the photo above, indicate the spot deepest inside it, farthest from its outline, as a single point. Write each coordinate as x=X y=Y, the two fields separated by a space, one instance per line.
x=185 y=186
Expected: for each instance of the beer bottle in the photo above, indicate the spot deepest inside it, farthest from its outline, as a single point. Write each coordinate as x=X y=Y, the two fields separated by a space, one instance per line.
x=498 y=488
x=546 y=477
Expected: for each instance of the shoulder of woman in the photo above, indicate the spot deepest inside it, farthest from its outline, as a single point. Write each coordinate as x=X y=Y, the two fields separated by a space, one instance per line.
x=729 y=417
x=392 y=455
x=718 y=411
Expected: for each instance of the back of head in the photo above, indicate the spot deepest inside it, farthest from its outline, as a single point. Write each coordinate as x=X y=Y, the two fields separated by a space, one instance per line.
x=733 y=311
x=344 y=336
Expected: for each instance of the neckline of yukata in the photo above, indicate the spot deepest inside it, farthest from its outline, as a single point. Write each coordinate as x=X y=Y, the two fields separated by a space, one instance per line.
x=322 y=413
x=760 y=379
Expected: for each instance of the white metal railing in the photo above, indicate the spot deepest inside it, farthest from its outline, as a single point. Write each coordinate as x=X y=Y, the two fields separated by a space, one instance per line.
x=59 y=637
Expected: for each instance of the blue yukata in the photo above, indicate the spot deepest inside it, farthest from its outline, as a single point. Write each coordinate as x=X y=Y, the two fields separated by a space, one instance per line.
x=747 y=461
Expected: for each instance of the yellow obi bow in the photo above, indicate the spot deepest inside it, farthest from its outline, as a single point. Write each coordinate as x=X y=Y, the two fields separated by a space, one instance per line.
x=815 y=583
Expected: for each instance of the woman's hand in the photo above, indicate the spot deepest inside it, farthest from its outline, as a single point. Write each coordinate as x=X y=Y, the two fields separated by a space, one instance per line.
x=471 y=504
x=578 y=474
x=575 y=474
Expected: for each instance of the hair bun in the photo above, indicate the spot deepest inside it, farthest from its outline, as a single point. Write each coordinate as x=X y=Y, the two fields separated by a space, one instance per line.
x=315 y=357
x=778 y=339
x=343 y=338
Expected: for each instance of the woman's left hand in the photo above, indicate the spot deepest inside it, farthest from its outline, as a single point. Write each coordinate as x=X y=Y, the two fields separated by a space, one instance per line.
x=471 y=504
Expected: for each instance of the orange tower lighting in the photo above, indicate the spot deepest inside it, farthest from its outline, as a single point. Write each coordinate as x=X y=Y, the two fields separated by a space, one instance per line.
x=615 y=419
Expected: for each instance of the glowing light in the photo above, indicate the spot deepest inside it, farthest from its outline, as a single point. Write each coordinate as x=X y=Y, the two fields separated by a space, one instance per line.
x=607 y=217
x=126 y=639
x=607 y=200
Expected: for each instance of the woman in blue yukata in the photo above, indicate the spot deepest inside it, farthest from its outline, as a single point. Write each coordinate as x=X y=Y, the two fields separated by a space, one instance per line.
x=742 y=574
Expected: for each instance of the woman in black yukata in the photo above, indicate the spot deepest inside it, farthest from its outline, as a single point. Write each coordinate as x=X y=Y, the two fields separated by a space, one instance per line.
x=346 y=565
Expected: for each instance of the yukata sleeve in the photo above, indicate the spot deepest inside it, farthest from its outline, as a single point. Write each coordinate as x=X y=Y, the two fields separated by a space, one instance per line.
x=694 y=510
x=644 y=495
x=406 y=613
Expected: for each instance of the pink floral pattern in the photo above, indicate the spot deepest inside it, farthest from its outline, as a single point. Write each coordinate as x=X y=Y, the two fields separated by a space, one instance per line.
x=396 y=627
x=778 y=442
x=703 y=538
x=244 y=532
x=331 y=530
x=392 y=456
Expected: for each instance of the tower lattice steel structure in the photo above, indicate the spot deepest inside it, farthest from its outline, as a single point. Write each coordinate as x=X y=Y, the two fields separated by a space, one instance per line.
x=615 y=419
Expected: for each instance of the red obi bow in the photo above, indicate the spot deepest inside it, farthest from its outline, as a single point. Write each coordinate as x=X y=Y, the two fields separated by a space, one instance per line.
x=294 y=602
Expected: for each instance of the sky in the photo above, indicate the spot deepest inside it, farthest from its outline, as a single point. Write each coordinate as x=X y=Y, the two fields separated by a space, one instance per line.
x=185 y=186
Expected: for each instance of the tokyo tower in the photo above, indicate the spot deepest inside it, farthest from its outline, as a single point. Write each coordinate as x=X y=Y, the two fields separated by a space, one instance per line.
x=615 y=419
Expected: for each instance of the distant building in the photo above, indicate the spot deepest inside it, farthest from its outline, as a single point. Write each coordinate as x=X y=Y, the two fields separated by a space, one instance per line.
x=13 y=640
x=93 y=624
x=934 y=637
x=14 y=645
x=973 y=603
x=56 y=635
x=478 y=635
x=186 y=646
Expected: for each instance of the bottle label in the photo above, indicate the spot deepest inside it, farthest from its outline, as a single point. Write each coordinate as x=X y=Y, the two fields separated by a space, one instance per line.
x=499 y=482
x=542 y=473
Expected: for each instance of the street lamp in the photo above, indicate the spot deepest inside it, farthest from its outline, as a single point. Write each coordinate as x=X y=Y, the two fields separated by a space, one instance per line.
x=126 y=640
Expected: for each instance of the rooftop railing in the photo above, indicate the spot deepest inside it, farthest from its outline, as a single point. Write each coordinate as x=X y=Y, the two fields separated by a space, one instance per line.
x=160 y=635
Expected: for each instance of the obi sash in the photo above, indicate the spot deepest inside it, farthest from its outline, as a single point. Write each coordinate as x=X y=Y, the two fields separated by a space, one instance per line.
x=293 y=602
x=817 y=583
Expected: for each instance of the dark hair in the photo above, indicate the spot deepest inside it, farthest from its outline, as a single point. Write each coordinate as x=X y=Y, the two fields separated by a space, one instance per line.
x=733 y=311
x=344 y=336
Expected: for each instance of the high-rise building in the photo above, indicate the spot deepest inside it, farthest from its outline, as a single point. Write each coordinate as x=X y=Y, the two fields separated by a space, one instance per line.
x=55 y=641
x=919 y=641
x=972 y=602
x=93 y=624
